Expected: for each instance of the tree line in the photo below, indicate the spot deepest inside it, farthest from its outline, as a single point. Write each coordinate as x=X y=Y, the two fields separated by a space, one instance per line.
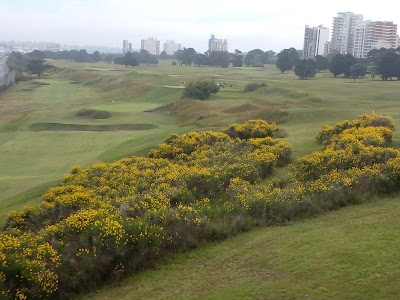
x=382 y=62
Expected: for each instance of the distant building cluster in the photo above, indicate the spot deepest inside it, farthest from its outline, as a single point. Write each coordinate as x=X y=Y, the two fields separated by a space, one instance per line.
x=215 y=44
x=350 y=35
x=152 y=45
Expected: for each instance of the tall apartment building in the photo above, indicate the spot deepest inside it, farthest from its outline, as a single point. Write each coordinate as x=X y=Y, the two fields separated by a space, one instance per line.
x=374 y=35
x=217 y=44
x=316 y=41
x=125 y=46
x=170 y=47
x=397 y=42
x=343 y=30
x=152 y=45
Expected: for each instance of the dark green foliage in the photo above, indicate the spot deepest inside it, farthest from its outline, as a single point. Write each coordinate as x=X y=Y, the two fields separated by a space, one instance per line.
x=186 y=56
x=389 y=65
x=254 y=58
x=96 y=56
x=337 y=65
x=358 y=70
x=219 y=59
x=305 y=69
x=200 y=90
x=287 y=59
x=321 y=63
x=253 y=86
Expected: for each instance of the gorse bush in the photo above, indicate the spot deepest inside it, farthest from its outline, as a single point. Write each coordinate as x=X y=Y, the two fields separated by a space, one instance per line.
x=254 y=86
x=200 y=90
x=112 y=219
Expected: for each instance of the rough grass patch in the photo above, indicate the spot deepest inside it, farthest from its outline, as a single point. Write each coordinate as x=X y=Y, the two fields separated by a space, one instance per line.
x=93 y=114
x=254 y=86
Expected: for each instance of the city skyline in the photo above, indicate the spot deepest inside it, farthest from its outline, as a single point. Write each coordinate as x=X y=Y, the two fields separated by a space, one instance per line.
x=248 y=26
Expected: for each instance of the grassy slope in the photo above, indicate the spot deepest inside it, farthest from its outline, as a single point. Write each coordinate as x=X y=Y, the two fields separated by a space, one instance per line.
x=31 y=159
x=352 y=249
x=347 y=254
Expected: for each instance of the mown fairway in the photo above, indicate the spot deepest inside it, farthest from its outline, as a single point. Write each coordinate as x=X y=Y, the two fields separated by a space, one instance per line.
x=349 y=254
x=346 y=254
x=41 y=138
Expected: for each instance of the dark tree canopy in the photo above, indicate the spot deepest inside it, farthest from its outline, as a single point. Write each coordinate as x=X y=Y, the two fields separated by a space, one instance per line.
x=219 y=59
x=200 y=90
x=254 y=58
x=358 y=70
x=186 y=56
x=338 y=65
x=321 y=63
x=287 y=59
x=305 y=69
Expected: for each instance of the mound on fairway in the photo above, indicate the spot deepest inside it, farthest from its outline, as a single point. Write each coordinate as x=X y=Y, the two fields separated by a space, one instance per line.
x=164 y=109
x=79 y=127
x=93 y=114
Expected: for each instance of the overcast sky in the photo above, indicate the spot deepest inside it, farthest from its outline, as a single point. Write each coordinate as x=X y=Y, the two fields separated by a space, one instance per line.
x=268 y=25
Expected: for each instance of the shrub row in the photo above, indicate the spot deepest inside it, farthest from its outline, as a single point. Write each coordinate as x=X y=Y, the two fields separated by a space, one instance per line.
x=114 y=218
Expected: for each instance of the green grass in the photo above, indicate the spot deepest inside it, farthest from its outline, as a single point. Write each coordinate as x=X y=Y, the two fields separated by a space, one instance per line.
x=347 y=254
x=132 y=96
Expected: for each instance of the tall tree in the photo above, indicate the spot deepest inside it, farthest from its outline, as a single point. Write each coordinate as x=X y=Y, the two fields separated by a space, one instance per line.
x=358 y=70
x=305 y=69
x=349 y=60
x=321 y=63
x=219 y=59
x=96 y=56
x=337 y=65
x=130 y=60
x=387 y=66
x=287 y=59
x=254 y=58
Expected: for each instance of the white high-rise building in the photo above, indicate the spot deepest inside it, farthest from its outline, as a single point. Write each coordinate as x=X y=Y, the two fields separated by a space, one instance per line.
x=170 y=47
x=343 y=30
x=125 y=46
x=152 y=45
x=217 y=44
x=316 y=41
x=374 y=35
x=397 y=42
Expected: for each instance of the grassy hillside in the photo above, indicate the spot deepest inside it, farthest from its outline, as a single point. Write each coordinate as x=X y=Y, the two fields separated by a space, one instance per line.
x=346 y=254
x=31 y=151
x=89 y=113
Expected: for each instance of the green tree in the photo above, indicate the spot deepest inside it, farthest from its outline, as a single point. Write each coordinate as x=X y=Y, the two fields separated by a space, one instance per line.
x=96 y=56
x=219 y=59
x=254 y=58
x=163 y=55
x=337 y=65
x=130 y=60
x=321 y=63
x=358 y=70
x=349 y=60
x=287 y=59
x=388 y=65
x=36 y=66
x=200 y=90
x=305 y=69
x=186 y=56
x=201 y=60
